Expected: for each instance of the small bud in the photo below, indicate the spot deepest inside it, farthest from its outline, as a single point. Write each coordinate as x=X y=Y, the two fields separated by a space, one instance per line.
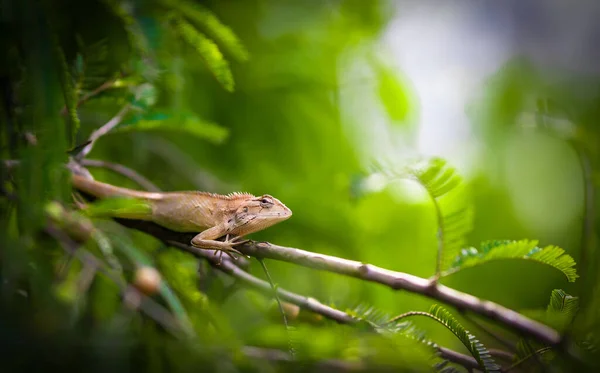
x=147 y=280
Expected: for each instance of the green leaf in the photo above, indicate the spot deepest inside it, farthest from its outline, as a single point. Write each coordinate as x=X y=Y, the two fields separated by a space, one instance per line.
x=393 y=93
x=182 y=123
x=561 y=302
x=122 y=207
x=204 y=18
x=560 y=311
x=208 y=51
x=477 y=349
x=524 y=250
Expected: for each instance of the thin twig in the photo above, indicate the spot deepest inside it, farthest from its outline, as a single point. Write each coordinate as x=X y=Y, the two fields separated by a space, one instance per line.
x=405 y=281
x=103 y=87
x=285 y=321
x=505 y=342
x=122 y=170
x=440 y=240
x=536 y=353
x=103 y=131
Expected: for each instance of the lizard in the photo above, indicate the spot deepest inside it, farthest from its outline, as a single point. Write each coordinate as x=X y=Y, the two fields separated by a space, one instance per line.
x=212 y=215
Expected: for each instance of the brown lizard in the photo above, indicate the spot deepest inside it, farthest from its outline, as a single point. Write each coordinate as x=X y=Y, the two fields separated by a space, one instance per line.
x=213 y=215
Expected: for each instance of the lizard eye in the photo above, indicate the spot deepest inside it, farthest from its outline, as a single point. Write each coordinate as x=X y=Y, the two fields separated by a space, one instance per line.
x=266 y=202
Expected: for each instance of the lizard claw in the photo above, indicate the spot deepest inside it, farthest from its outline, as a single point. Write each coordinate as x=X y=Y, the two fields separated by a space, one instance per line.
x=228 y=248
x=235 y=240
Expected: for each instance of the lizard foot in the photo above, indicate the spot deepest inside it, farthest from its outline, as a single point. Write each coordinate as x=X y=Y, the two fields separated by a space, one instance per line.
x=228 y=249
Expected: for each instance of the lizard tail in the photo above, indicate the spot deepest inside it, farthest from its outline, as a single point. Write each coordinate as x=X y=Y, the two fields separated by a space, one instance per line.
x=102 y=190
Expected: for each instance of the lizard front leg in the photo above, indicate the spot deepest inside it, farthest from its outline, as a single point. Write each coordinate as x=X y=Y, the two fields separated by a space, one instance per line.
x=207 y=240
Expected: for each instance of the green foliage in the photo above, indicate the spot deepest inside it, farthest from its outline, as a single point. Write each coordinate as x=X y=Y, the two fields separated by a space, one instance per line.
x=394 y=93
x=453 y=209
x=180 y=123
x=123 y=207
x=207 y=20
x=135 y=33
x=208 y=51
x=523 y=249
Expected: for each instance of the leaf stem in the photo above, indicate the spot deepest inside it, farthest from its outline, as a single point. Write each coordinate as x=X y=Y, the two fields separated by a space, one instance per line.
x=276 y=295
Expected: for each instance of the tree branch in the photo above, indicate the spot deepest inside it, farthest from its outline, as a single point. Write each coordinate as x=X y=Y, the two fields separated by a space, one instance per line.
x=367 y=272
x=404 y=281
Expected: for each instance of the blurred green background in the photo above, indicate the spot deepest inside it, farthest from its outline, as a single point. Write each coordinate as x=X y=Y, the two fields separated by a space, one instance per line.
x=307 y=101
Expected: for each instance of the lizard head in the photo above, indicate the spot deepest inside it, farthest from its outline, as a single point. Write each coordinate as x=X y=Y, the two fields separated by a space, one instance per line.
x=258 y=213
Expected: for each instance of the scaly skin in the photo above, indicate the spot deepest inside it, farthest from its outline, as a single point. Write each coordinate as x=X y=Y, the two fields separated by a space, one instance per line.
x=213 y=215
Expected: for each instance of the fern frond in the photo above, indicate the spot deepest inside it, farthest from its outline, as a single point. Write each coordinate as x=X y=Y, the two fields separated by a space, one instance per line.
x=380 y=320
x=211 y=25
x=448 y=193
x=208 y=51
x=477 y=349
x=137 y=38
x=523 y=249
x=455 y=213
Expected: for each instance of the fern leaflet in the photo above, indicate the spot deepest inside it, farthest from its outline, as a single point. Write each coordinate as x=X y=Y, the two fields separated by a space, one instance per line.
x=137 y=38
x=523 y=249
x=477 y=349
x=210 y=24
x=454 y=212
x=208 y=51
